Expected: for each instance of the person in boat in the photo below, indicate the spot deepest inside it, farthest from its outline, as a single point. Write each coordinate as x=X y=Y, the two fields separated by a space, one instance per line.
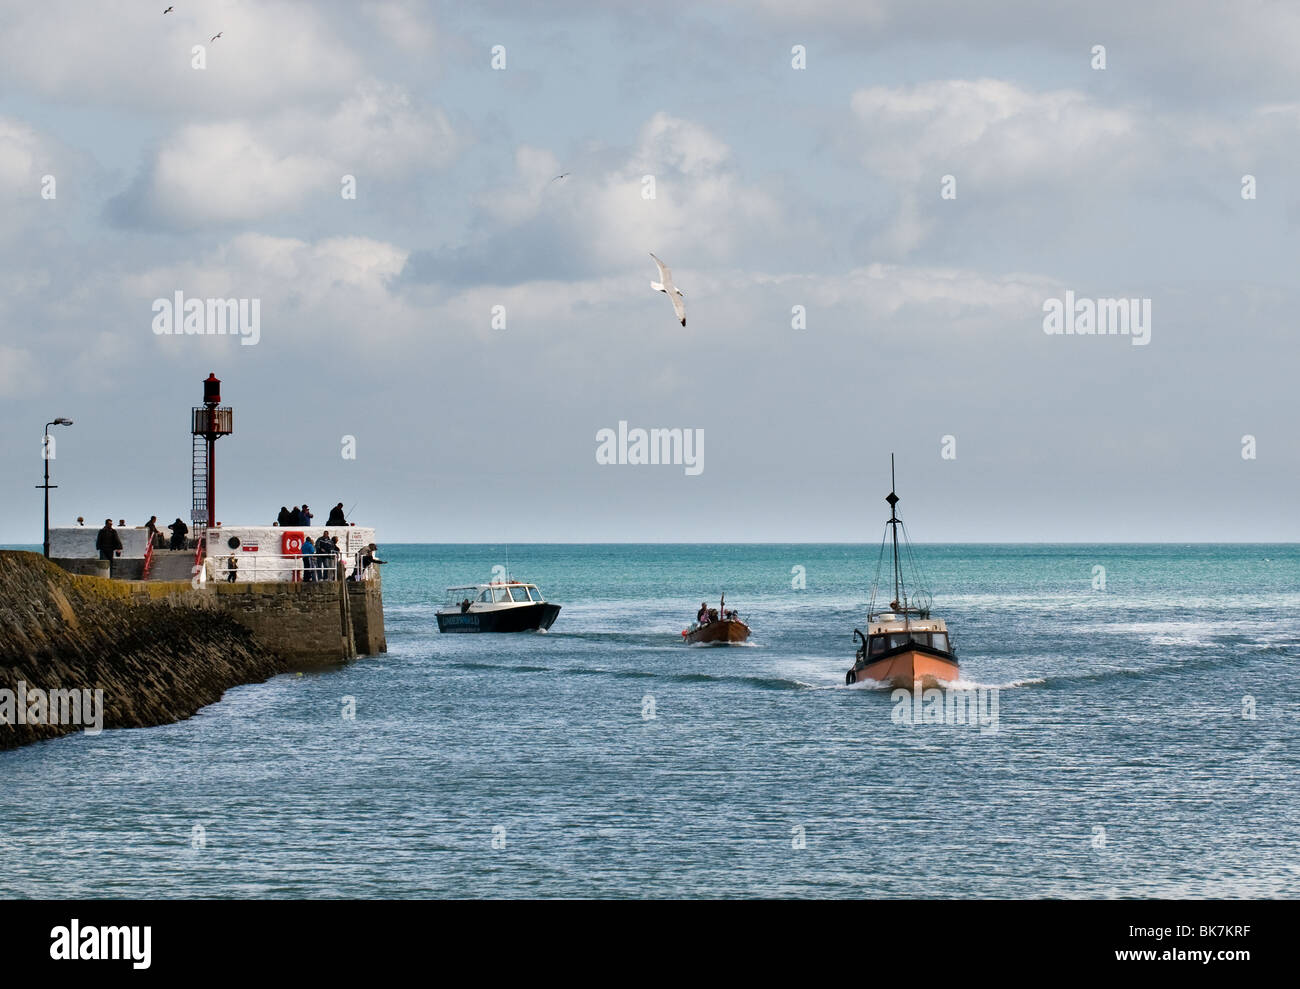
x=702 y=616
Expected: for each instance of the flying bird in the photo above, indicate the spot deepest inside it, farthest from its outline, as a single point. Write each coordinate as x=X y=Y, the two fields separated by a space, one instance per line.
x=169 y=10
x=668 y=288
x=215 y=37
x=563 y=176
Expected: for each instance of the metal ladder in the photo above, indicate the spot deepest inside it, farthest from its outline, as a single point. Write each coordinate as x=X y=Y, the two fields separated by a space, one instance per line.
x=199 y=511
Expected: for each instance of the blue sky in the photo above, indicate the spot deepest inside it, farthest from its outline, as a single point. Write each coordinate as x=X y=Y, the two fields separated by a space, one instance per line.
x=775 y=188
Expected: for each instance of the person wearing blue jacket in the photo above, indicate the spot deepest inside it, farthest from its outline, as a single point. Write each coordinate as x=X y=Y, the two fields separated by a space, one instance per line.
x=308 y=559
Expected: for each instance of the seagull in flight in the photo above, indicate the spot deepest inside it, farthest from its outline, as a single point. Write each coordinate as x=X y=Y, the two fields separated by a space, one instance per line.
x=169 y=10
x=215 y=37
x=667 y=287
x=563 y=176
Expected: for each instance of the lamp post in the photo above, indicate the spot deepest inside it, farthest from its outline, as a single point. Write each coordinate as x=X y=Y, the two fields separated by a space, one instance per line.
x=45 y=455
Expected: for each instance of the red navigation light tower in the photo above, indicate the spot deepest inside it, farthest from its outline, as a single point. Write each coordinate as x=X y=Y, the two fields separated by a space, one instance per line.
x=210 y=424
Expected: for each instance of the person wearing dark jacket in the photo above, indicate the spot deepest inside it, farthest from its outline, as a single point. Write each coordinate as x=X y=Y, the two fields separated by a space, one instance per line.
x=179 y=531
x=326 y=547
x=369 y=558
x=306 y=516
x=295 y=517
x=284 y=518
x=108 y=541
x=336 y=516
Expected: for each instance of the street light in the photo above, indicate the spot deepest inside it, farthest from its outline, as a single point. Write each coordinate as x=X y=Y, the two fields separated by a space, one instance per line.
x=45 y=454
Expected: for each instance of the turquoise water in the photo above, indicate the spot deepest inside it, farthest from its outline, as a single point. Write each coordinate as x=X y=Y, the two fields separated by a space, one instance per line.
x=1122 y=764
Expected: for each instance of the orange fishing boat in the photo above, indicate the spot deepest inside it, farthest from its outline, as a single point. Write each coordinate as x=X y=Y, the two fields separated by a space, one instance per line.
x=904 y=644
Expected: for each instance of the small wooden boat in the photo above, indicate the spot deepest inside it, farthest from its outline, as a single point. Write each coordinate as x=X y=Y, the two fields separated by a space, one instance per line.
x=723 y=629
x=904 y=645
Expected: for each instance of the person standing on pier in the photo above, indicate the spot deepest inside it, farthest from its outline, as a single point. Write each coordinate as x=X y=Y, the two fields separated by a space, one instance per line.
x=326 y=549
x=108 y=541
x=308 y=559
x=179 y=531
x=336 y=515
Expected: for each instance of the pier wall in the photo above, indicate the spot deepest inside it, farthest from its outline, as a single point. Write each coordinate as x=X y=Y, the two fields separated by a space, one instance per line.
x=161 y=650
x=308 y=623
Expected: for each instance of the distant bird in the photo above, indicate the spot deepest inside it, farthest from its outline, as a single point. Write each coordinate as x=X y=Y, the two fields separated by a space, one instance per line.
x=669 y=289
x=214 y=37
x=564 y=176
x=169 y=10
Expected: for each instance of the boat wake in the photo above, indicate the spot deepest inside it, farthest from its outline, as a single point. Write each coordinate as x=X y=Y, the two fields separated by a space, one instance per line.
x=762 y=682
x=962 y=684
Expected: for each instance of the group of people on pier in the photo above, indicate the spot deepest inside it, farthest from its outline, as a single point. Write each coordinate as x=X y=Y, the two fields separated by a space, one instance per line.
x=302 y=515
x=109 y=543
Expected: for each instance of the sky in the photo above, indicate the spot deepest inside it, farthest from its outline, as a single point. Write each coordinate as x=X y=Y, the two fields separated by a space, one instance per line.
x=866 y=203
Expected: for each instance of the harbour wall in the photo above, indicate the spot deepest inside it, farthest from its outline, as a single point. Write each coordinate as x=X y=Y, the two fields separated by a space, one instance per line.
x=160 y=651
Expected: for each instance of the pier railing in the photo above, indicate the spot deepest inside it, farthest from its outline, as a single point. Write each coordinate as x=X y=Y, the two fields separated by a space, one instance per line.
x=359 y=570
x=312 y=568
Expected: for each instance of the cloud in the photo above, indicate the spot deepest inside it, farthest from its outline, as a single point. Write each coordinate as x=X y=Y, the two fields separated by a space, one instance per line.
x=336 y=291
x=991 y=131
x=239 y=171
x=130 y=56
x=403 y=24
x=1182 y=52
x=26 y=155
x=677 y=191
x=19 y=373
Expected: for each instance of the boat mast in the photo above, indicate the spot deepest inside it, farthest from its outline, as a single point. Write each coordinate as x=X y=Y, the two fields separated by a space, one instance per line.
x=893 y=521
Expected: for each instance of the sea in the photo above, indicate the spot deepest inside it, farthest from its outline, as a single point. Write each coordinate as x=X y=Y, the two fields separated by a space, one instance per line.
x=1136 y=737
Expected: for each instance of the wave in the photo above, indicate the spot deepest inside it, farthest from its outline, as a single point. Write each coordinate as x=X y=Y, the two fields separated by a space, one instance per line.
x=763 y=682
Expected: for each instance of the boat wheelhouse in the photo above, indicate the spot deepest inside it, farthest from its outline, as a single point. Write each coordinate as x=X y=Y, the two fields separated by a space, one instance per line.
x=501 y=606
x=904 y=645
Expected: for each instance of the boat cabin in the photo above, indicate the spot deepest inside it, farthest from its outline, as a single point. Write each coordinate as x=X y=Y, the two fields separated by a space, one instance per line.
x=889 y=631
x=498 y=594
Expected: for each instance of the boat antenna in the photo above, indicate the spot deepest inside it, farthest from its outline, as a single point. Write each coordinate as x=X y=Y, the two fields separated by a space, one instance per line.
x=893 y=500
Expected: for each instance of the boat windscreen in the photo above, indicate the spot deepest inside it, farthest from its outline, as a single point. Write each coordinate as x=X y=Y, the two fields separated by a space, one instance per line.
x=535 y=594
x=938 y=640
